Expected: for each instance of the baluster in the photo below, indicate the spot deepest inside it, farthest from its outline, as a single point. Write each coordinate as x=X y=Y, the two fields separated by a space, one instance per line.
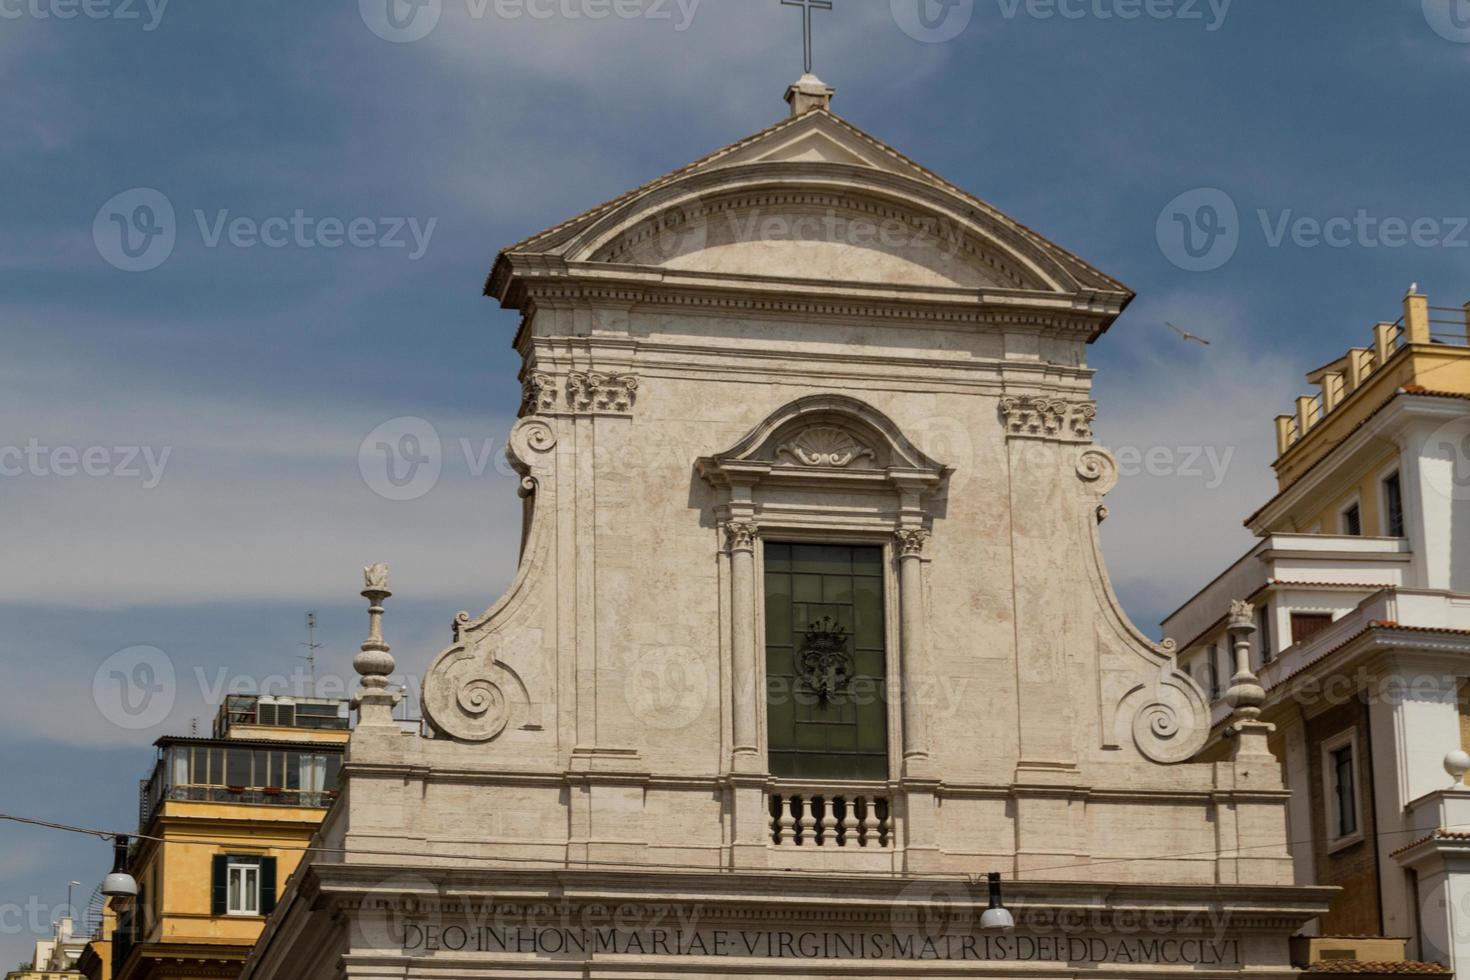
x=785 y=822
x=848 y=835
x=869 y=833
x=806 y=824
x=885 y=824
x=828 y=836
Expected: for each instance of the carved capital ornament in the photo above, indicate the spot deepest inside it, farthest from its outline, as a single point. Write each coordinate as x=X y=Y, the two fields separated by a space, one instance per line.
x=741 y=535
x=911 y=541
x=1037 y=417
x=592 y=391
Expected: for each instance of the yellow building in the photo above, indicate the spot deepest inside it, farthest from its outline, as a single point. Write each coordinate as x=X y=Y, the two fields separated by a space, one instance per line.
x=221 y=826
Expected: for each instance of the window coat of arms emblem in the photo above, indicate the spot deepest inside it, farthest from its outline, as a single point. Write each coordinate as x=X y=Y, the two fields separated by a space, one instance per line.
x=823 y=663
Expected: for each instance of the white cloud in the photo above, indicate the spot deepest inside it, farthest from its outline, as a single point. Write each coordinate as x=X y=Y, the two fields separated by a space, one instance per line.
x=1193 y=425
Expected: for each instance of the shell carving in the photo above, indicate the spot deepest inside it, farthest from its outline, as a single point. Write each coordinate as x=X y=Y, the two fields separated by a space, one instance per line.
x=825 y=445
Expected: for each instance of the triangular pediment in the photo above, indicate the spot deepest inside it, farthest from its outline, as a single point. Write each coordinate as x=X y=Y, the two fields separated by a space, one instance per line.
x=815 y=198
x=819 y=138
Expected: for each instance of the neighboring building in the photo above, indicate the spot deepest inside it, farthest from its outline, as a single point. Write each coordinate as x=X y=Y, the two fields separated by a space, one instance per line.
x=55 y=957
x=234 y=812
x=1361 y=583
x=810 y=629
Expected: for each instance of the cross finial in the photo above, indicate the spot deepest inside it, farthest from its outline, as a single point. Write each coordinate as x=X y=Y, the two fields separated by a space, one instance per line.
x=807 y=6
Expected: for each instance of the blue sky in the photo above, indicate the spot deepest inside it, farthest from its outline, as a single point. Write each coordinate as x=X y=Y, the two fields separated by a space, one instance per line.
x=260 y=371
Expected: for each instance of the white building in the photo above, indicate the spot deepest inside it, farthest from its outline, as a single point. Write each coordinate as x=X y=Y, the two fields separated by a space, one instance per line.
x=810 y=631
x=1361 y=578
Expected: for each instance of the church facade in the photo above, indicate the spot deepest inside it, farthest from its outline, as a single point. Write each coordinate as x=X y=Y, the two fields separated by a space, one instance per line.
x=810 y=632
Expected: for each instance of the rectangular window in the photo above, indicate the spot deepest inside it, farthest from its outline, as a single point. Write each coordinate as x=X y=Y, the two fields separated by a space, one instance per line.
x=826 y=662
x=1304 y=626
x=1263 y=630
x=1352 y=521
x=1214 y=688
x=243 y=889
x=1340 y=778
x=1393 y=505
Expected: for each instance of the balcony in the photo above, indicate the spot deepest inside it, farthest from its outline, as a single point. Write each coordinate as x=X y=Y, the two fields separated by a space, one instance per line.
x=1417 y=611
x=235 y=771
x=1292 y=560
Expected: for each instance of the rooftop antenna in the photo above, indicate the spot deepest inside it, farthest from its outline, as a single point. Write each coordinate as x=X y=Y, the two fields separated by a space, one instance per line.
x=312 y=646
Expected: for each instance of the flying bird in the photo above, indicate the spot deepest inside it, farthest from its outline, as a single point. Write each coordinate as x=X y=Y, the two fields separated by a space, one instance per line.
x=1186 y=335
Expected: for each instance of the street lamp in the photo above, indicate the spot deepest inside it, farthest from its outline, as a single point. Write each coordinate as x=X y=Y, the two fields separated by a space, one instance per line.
x=997 y=918
x=120 y=884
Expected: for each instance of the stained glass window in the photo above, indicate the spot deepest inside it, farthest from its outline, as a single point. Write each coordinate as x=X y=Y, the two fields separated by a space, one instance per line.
x=826 y=677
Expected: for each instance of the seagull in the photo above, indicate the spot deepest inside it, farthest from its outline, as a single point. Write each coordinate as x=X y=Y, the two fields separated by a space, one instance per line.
x=1186 y=335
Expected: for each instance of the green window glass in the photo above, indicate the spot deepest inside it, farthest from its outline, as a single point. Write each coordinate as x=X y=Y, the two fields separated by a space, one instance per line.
x=826 y=679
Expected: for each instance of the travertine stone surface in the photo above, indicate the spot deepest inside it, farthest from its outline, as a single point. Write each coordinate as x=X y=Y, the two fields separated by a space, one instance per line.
x=806 y=337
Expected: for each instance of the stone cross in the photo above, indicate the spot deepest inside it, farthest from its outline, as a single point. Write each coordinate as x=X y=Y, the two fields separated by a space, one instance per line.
x=807 y=6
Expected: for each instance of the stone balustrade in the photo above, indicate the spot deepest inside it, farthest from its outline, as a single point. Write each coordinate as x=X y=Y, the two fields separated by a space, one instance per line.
x=830 y=818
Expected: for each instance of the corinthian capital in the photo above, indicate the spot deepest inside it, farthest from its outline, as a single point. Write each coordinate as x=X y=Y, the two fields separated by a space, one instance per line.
x=911 y=541
x=741 y=535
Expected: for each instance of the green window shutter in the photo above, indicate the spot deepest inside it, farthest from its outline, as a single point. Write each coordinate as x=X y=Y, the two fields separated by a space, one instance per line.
x=267 y=885
x=221 y=883
x=826 y=666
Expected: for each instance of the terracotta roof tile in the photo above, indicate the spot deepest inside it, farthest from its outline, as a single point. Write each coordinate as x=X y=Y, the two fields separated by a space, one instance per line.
x=1361 y=966
x=1440 y=834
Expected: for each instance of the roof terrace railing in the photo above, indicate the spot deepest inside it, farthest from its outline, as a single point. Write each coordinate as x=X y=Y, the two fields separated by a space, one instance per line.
x=1421 y=324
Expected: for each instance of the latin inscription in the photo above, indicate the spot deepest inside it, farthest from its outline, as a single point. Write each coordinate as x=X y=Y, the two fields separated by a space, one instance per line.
x=554 y=941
